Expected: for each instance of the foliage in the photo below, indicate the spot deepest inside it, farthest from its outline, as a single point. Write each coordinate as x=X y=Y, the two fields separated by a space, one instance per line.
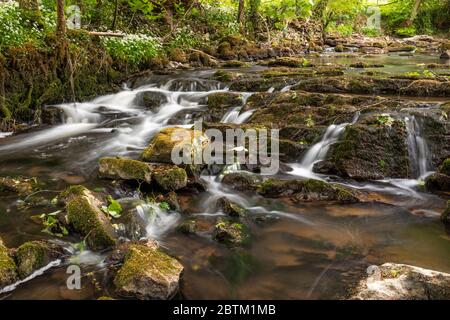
x=51 y=224
x=114 y=209
x=184 y=38
x=136 y=48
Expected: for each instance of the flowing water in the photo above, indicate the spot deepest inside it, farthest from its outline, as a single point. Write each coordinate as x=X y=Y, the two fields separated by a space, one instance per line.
x=297 y=251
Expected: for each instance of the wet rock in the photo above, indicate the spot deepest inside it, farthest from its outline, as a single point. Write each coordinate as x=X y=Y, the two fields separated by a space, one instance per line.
x=363 y=65
x=444 y=168
x=392 y=281
x=241 y=181
x=18 y=185
x=170 y=178
x=401 y=48
x=125 y=169
x=230 y=208
x=187 y=227
x=341 y=48
x=372 y=152
x=148 y=273
x=202 y=59
x=307 y=190
x=161 y=146
x=52 y=115
x=230 y=233
x=150 y=100
x=8 y=268
x=234 y=64
x=261 y=84
x=445 y=216
x=220 y=103
x=34 y=255
x=290 y=62
x=85 y=217
x=227 y=76
x=437 y=182
x=445 y=55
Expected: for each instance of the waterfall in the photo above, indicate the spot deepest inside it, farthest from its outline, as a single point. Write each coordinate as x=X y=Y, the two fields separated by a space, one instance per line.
x=234 y=116
x=318 y=152
x=417 y=147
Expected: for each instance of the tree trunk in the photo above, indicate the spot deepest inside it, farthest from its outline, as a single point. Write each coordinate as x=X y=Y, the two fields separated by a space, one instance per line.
x=61 y=18
x=319 y=9
x=116 y=12
x=254 y=15
x=31 y=7
x=241 y=16
x=414 y=12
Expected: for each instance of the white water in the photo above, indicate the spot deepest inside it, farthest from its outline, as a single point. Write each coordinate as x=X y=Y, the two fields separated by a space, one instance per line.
x=318 y=151
x=417 y=148
x=234 y=116
x=158 y=221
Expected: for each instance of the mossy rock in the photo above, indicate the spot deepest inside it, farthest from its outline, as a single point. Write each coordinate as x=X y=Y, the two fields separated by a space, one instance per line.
x=85 y=217
x=170 y=178
x=241 y=181
x=444 y=168
x=227 y=76
x=438 y=183
x=230 y=208
x=290 y=62
x=187 y=227
x=8 y=268
x=231 y=233
x=161 y=146
x=18 y=185
x=445 y=216
x=307 y=190
x=177 y=55
x=125 y=169
x=34 y=255
x=234 y=64
x=220 y=103
x=148 y=273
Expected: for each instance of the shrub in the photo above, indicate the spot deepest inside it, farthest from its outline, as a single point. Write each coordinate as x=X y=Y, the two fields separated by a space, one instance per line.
x=134 y=49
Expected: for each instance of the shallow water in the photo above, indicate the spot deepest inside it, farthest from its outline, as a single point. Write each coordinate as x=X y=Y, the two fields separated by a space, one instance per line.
x=297 y=251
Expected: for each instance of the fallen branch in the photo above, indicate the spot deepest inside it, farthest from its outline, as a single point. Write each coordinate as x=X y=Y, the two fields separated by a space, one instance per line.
x=202 y=52
x=105 y=34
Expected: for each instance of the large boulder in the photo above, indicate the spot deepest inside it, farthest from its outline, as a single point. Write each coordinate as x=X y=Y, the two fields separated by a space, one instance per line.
x=371 y=152
x=85 y=216
x=392 y=281
x=34 y=255
x=162 y=144
x=148 y=273
x=125 y=169
x=8 y=268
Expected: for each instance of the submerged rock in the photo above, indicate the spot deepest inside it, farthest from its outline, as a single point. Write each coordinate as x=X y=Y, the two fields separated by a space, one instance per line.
x=307 y=190
x=170 y=178
x=241 y=181
x=392 y=281
x=85 y=217
x=439 y=182
x=125 y=169
x=290 y=62
x=18 y=185
x=148 y=273
x=161 y=146
x=8 y=268
x=230 y=233
x=230 y=208
x=220 y=103
x=34 y=255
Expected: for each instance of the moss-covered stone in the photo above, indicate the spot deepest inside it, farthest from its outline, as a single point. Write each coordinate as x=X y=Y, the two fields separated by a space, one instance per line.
x=445 y=216
x=438 y=183
x=187 y=227
x=85 y=217
x=307 y=190
x=231 y=233
x=18 y=185
x=290 y=62
x=444 y=168
x=125 y=169
x=34 y=255
x=219 y=104
x=8 y=268
x=148 y=273
x=161 y=146
x=170 y=178
x=241 y=181
x=230 y=208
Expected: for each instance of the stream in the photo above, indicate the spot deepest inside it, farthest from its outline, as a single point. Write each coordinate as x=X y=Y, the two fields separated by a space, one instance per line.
x=301 y=251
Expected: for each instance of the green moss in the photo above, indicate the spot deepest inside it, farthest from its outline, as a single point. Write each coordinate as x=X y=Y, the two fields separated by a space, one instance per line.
x=445 y=216
x=142 y=261
x=231 y=233
x=87 y=220
x=445 y=167
x=30 y=257
x=73 y=191
x=170 y=178
x=187 y=227
x=127 y=169
x=8 y=268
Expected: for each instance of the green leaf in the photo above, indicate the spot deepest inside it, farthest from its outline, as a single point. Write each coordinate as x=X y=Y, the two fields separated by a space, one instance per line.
x=164 y=205
x=114 y=209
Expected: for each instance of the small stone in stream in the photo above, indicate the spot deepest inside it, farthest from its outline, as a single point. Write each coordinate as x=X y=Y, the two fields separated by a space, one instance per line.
x=230 y=208
x=86 y=217
x=445 y=55
x=162 y=144
x=445 y=216
x=226 y=76
x=125 y=169
x=34 y=255
x=8 y=268
x=290 y=62
x=187 y=227
x=241 y=181
x=148 y=273
x=170 y=178
x=363 y=65
x=230 y=233
x=444 y=168
x=18 y=185
x=307 y=190
x=392 y=281
x=437 y=182
x=234 y=64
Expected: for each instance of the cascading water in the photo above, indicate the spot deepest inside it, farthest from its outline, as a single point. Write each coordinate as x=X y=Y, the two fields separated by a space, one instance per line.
x=318 y=151
x=234 y=116
x=417 y=148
